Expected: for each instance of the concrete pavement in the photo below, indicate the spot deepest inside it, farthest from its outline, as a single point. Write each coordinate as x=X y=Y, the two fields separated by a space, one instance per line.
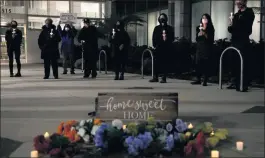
x=31 y=105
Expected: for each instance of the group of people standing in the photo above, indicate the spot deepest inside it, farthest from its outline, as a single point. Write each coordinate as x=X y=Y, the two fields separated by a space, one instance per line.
x=163 y=36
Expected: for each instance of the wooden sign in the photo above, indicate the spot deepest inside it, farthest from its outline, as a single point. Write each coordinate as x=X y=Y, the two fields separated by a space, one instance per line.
x=68 y=17
x=137 y=106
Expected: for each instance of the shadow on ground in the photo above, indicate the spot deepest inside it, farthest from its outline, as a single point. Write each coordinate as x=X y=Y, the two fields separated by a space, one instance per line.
x=8 y=146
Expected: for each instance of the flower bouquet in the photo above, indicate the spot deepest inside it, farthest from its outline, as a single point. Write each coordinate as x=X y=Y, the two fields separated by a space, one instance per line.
x=146 y=139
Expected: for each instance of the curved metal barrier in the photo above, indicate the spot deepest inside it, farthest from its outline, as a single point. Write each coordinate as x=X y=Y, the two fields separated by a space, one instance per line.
x=99 y=61
x=241 y=65
x=152 y=56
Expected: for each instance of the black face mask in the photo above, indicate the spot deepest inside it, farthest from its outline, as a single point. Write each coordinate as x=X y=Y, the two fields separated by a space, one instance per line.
x=118 y=26
x=14 y=26
x=48 y=25
x=163 y=20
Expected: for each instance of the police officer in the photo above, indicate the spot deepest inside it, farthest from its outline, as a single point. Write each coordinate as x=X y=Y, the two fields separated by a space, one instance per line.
x=120 y=42
x=48 y=41
x=163 y=37
x=241 y=28
x=13 y=39
x=88 y=36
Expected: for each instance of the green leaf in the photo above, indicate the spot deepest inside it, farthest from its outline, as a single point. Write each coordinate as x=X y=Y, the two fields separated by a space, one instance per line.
x=213 y=141
x=225 y=131
x=208 y=124
x=151 y=121
x=198 y=128
x=221 y=135
x=132 y=128
x=182 y=137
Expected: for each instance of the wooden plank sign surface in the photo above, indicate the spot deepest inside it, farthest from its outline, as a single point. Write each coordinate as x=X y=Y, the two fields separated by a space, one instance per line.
x=136 y=106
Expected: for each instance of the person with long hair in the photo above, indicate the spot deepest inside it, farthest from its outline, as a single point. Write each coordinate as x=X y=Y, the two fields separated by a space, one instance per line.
x=67 y=48
x=205 y=40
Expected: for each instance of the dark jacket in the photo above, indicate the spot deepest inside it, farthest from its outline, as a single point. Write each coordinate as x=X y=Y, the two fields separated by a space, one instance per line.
x=241 y=27
x=120 y=37
x=204 y=43
x=158 y=41
x=49 y=45
x=67 y=39
x=13 y=43
x=90 y=36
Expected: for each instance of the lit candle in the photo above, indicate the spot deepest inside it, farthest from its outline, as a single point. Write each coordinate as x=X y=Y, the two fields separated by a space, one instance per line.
x=124 y=127
x=212 y=133
x=46 y=135
x=214 y=154
x=239 y=146
x=34 y=154
x=190 y=126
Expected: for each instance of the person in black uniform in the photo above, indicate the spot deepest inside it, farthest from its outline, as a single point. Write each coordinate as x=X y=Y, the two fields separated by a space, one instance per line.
x=48 y=41
x=120 y=41
x=241 y=28
x=88 y=36
x=205 y=39
x=13 y=39
x=163 y=37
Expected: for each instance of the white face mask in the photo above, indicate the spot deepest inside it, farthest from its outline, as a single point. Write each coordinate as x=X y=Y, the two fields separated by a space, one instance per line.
x=204 y=21
x=66 y=29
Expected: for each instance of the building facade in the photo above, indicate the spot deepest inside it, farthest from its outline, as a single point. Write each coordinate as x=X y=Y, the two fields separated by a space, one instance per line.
x=31 y=16
x=184 y=16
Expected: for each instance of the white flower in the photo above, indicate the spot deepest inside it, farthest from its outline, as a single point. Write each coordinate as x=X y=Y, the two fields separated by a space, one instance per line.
x=82 y=123
x=81 y=132
x=117 y=123
x=169 y=127
x=94 y=129
x=86 y=138
x=72 y=128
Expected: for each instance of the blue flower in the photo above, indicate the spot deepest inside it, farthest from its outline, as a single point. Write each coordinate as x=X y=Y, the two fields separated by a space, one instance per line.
x=169 y=143
x=146 y=138
x=99 y=136
x=134 y=145
x=176 y=136
x=180 y=125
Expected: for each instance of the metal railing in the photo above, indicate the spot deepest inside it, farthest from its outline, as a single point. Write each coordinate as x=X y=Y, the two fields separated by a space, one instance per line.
x=99 y=61
x=241 y=67
x=152 y=56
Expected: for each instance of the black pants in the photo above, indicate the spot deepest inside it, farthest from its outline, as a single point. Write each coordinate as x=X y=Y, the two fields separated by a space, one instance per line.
x=119 y=65
x=11 y=53
x=47 y=64
x=160 y=66
x=202 y=69
x=90 y=66
x=69 y=56
x=236 y=69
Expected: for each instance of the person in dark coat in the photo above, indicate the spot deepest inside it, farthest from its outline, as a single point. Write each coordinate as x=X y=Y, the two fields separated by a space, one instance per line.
x=67 y=48
x=241 y=28
x=205 y=40
x=48 y=41
x=163 y=38
x=13 y=39
x=88 y=36
x=120 y=41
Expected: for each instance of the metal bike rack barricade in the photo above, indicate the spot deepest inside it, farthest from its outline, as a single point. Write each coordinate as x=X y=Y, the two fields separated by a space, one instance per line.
x=241 y=65
x=152 y=56
x=99 y=61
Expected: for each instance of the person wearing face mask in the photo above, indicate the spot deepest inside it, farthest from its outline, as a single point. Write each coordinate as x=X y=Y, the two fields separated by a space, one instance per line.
x=88 y=37
x=120 y=41
x=48 y=41
x=205 y=40
x=163 y=37
x=67 y=48
x=241 y=28
x=13 y=39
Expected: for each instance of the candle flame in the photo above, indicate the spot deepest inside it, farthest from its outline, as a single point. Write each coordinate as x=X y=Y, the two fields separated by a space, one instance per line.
x=46 y=135
x=190 y=126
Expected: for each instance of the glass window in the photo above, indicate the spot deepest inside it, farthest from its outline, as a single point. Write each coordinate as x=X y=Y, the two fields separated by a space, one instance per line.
x=58 y=7
x=37 y=8
x=37 y=22
x=86 y=9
